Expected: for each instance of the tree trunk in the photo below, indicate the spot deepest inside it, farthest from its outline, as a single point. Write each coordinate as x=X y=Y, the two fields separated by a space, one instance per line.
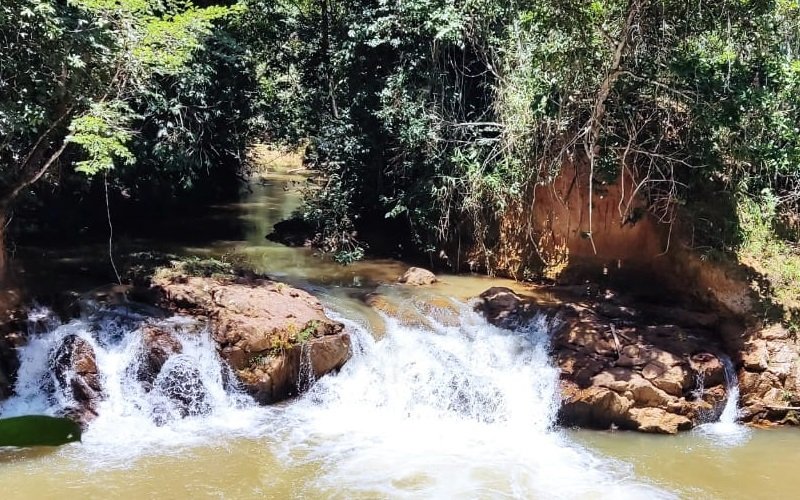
x=4 y=273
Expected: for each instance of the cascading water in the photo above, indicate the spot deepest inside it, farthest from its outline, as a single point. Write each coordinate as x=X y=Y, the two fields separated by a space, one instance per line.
x=726 y=430
x=134 y=417
x=462 y=409
x=730 y=412
x=445 y=411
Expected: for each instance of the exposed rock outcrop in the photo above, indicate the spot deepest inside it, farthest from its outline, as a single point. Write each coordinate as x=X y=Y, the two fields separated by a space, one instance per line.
x=266 y=331
x=769 y=378
x=621 y=368
x=76 y=379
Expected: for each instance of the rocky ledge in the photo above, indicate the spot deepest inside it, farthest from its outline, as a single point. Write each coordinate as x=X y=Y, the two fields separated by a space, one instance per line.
x=276 y=338
x=651 y=369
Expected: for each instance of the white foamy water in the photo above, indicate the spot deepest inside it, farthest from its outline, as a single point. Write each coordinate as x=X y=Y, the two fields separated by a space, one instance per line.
x=464 y=411
x=461 y=411
x=132 y=420
x=726 y=431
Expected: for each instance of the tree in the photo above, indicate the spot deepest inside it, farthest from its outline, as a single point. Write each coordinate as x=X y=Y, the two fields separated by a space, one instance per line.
x=68 y=71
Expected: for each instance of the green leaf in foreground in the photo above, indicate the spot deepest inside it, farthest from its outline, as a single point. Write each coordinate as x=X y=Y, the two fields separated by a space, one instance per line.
x=38 y=430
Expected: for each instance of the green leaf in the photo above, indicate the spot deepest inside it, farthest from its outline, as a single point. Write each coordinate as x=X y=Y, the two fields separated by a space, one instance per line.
x=38 y=430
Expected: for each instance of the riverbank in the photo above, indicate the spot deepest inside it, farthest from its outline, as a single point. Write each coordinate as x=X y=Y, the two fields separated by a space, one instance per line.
x=390 y=423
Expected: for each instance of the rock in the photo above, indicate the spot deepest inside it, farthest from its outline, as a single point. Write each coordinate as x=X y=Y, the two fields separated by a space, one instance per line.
x=674 y=380
x=500 y=304
x=417 y=276
x=294 y=232
x=682 y=317
x=595 y=407
x=396 y=309
x=769 y=373
x=658 y=421
x=277 y=377
x=181 y=382
x=618 y=312
x=158 y=345
x=754 y=356
x=75 y=376
x=13 y=334
x=261 y=327
x=781 y=358
x=579 y=367
x=709 y=368
x=619 y=368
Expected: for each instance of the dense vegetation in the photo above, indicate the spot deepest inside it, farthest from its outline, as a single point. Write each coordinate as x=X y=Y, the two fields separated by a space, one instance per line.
x=143 y=99
x=438 y=114
x=429 y=115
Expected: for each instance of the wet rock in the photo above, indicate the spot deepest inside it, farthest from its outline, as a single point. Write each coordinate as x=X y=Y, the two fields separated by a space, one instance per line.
x=261 y=327
x=278 y=376
x=617 y=366
x=158 y=345
x=500 y=305
x=75 y=376
x=417 y=276
x=182 y=384
x=398 y=310
x=709 y=368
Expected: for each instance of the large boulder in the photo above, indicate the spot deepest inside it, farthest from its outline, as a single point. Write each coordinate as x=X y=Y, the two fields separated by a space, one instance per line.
x=417 y=276
x=75 y=379
x=266 y=331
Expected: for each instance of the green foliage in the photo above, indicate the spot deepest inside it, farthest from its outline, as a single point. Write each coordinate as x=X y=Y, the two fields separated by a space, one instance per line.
x=440 y=114
x=38 y=430
x=103 y=136
x=71 y=71
x=773 y=257
x=194 y=126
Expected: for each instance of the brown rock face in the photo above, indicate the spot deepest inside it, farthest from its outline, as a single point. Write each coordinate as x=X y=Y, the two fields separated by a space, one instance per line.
x=268 y=332
x=656 y=420
x=74 y=370
x=157 y=346
x=768 y=379
x=618 y=370
x=418 y=277
x=277 y=377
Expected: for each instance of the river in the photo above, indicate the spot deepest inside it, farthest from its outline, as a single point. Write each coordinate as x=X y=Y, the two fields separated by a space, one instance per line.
x=456 y=408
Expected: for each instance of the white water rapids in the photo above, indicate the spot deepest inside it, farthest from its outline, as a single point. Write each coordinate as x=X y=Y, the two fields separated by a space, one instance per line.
x=459 y=411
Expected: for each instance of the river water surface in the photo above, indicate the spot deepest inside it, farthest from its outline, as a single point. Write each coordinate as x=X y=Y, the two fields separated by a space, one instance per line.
x=446 y=407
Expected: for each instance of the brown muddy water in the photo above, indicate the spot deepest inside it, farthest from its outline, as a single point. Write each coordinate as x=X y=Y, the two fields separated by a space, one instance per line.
x=441 y=405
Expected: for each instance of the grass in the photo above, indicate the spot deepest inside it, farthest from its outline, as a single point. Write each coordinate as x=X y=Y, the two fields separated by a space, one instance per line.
x=777 y=259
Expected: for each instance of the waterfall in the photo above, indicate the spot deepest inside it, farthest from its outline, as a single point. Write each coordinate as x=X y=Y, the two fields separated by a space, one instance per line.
x=463 y=409
x=726 y=430
x=305 y=378
x=442 y=410
x=134 y=417
x=730 y=412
